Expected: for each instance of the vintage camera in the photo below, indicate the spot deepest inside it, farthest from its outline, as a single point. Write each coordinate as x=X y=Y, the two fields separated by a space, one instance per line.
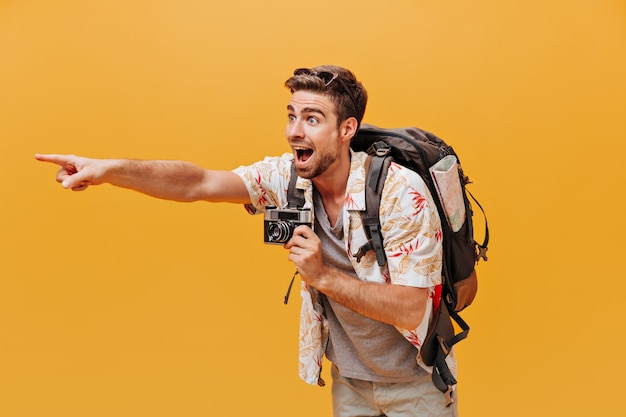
x=280 y=223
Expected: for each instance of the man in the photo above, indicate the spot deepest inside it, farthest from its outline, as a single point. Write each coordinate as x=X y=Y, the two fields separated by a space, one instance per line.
x=369 y=321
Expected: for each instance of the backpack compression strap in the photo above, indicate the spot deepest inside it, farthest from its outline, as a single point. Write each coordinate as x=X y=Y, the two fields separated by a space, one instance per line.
x=482 y=249
x=442 y=376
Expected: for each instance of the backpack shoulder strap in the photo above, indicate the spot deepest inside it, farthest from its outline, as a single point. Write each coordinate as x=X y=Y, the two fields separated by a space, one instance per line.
x=376 y=168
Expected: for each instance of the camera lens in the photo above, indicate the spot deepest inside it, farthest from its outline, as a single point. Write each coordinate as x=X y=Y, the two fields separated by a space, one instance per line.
x=279 y=232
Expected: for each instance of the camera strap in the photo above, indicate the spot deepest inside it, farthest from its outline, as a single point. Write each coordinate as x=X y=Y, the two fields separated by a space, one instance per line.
x=295 y=196
x=290 y=285
x=295 y=199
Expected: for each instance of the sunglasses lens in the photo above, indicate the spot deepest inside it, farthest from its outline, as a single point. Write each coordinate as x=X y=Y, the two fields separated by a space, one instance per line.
x=325 y=76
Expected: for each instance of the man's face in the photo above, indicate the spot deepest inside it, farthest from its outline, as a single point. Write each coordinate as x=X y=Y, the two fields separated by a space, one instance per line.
x=312 y=133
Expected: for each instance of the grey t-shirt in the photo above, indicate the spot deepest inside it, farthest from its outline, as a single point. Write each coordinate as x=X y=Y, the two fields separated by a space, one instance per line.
x=360 y=347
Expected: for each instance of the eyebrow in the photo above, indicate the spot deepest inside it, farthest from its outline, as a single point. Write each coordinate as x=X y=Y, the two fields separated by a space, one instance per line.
x=307 y=110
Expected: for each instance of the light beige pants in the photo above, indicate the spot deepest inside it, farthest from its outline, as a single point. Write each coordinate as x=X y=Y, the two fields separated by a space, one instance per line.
x=357 y=398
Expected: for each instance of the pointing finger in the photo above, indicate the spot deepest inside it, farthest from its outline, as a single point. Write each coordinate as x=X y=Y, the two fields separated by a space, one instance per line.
x=54 y=158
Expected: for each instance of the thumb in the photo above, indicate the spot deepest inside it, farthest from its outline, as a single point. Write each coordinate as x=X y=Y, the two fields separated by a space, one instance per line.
x=78 y=181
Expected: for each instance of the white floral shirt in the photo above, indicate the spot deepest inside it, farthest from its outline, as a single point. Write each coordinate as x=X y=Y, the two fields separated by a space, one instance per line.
x=411 y=231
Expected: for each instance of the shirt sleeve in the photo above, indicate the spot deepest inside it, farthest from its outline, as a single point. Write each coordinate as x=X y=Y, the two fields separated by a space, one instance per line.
x=267 y=182
x=411 y=229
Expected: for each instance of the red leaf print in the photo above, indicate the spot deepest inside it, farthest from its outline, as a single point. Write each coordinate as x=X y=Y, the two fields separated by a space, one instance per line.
x=405 y=250
x=412 y=337
x=419 y=201
x=349 y=202
x=436 y=296
x=263 y=196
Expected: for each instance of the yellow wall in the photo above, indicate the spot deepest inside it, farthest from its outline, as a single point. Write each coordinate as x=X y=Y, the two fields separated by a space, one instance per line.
x=115 y=304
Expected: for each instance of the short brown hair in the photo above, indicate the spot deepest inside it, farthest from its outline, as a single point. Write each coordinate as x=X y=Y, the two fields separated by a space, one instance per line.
x=350 y=103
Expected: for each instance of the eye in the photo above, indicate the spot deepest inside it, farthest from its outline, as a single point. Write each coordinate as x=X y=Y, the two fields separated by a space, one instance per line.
x=313 y=120
x=291 y=117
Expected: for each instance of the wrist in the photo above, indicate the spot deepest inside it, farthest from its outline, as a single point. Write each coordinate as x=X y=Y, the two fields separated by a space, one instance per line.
x=119 y=171
x=331 y=281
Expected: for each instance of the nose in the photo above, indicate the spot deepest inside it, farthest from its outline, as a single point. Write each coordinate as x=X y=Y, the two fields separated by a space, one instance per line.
x=295 y=130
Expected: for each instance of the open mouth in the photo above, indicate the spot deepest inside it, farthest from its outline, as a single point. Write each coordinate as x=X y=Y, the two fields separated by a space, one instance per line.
x=303 y=154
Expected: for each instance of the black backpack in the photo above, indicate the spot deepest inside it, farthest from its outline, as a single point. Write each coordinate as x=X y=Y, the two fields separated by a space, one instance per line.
x=420 y=150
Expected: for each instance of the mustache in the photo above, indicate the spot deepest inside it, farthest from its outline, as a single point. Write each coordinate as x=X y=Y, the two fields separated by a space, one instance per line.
x=300 y=142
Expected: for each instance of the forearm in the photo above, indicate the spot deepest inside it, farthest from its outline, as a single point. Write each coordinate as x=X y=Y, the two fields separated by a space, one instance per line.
x=170 y=180
x=397 y=305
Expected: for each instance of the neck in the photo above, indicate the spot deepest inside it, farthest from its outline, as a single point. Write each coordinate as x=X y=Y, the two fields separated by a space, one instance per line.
x=331 y=186
x=332 y=183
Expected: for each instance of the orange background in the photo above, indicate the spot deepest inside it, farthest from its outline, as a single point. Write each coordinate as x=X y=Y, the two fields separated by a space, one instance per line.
x=116 y=304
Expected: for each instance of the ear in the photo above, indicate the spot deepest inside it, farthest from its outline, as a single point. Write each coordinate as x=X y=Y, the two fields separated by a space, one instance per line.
x=348 y=128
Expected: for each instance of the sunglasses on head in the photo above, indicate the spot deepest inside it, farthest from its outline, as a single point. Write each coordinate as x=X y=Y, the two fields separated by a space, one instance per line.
x=328 y=78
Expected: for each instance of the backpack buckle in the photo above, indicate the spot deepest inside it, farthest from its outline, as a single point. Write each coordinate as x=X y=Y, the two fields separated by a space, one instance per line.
x=362 y=251
x=482 y=253
x=379 y=148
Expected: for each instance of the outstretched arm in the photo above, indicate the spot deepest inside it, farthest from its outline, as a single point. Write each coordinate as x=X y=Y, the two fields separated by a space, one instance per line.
x=170 y=180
